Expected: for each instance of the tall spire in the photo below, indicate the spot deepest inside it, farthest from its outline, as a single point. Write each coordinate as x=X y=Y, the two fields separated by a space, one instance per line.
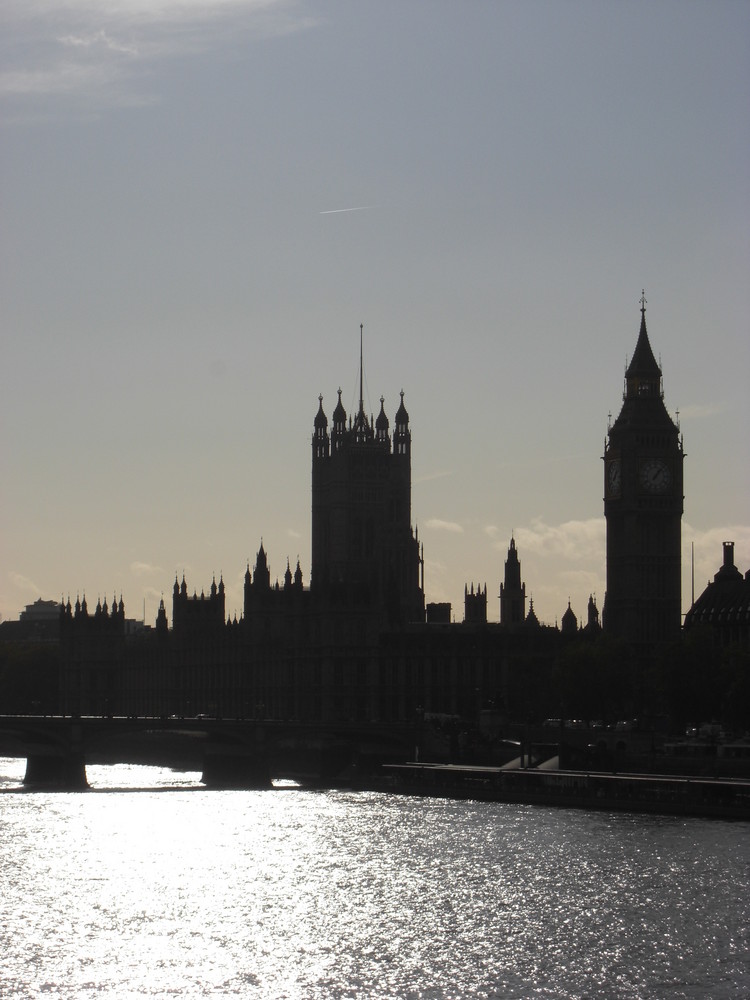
x=643 y=374
x=361 y=372
x=362 y=429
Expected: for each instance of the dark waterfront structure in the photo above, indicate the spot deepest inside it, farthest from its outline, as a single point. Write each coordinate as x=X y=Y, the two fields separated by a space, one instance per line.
x=643 y=503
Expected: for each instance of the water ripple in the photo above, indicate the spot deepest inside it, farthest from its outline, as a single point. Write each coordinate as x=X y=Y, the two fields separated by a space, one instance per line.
x=338 y=895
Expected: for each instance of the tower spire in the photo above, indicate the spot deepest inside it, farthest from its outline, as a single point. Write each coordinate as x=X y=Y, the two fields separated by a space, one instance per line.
x=361 y=372
x=362 y=429
x=643 y=374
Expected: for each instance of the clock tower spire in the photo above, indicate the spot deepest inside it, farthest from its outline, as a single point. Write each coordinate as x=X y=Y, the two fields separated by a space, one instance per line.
x=643 y=504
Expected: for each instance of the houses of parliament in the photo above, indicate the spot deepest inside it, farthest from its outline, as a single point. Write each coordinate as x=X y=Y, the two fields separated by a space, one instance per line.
x=357 y=643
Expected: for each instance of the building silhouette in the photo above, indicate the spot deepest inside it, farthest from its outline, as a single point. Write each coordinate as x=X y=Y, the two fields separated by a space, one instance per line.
x=357 y=643
x=724 y=606
x=643 y=503
x=39 y=622
x=364 y=551
x=512 y=591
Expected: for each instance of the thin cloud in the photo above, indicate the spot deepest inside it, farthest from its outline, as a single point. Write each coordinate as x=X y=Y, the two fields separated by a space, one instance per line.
x=99 y=50
x=704 y=550
x=22 y=582
x=500 y=541
x=705 y=538
x=435 y=566
x=338 y=211
x=144 y=569
x=436 y=524
x=98 y=39
x=133 y=12
x=574 y=540
x=430 y=477
x=582 y=580
x=700 y=411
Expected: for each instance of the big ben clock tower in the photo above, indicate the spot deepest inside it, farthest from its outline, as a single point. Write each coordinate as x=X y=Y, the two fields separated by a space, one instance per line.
x=643 y=504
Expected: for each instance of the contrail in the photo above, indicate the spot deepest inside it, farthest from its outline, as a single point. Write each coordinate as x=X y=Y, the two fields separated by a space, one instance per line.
x=335 y=211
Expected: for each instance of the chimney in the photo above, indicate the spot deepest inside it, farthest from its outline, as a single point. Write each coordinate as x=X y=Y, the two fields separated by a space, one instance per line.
x=729 y=555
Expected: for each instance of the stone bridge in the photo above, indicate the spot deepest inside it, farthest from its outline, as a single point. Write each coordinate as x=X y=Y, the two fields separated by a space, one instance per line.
x=230 y=753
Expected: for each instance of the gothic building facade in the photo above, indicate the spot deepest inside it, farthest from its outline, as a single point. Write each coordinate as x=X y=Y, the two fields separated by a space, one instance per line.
x=364 y=551
x=357 y=643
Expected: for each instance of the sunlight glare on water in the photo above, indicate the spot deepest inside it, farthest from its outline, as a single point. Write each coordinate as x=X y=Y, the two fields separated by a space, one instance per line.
x=292 y=893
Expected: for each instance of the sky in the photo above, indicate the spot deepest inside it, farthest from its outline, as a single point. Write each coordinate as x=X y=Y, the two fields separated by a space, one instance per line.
x=202 y=201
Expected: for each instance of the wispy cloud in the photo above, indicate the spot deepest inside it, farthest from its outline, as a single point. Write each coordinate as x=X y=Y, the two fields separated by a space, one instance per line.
x=103 y=51
x=144 y=569
x=706 y=549
x=706 y=537
x=21 y=582
x=582 y=580
x=98 y=39
x=700 y=411
x=435 y=566
x=574 y=540
x=338 y=211
x=436 y=524
x=429 y=477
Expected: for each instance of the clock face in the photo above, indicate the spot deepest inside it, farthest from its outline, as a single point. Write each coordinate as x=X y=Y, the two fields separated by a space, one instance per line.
x=614 y=477
x=655 y=476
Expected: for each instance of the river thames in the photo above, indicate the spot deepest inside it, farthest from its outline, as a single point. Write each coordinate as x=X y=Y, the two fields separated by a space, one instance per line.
x=148 y=885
